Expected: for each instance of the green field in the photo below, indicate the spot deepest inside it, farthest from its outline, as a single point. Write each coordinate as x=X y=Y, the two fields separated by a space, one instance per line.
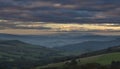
x=102 y=59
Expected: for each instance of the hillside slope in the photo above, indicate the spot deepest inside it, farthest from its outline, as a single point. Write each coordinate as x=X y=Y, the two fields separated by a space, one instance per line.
x=17 y=51
x=103 y=57
x=88 y=46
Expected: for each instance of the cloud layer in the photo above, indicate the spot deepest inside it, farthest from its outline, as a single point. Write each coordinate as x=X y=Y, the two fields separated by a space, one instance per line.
x=65 y=11
x=59 y=27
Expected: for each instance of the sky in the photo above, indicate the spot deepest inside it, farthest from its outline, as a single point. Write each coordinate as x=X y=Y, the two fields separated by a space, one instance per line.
x=59 y=16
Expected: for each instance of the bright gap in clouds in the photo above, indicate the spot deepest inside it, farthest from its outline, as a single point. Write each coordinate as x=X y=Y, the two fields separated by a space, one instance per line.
x=72 y=27
x=14 y=27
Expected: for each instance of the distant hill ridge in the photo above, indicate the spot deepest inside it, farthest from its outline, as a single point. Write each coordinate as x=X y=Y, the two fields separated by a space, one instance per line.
x=57 y=39
x=89 y=46
x=12 y=42
x=104 y=51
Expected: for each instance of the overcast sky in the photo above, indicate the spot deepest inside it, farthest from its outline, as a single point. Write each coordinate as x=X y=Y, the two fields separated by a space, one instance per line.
x=59 y=15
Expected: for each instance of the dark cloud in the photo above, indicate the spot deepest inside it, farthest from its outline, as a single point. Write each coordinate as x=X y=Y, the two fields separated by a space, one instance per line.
x=81 y=11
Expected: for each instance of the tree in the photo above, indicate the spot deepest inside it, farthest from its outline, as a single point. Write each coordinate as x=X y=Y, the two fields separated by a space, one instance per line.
x=73 y=62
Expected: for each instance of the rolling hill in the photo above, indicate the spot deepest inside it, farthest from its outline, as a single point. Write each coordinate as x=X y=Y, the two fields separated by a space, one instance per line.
x=104 y=57
x=57 y=39
x=16 y=52
x=88 y=46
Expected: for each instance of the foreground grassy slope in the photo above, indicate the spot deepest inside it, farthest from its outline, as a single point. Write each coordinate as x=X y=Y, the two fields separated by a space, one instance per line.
x=103 y=59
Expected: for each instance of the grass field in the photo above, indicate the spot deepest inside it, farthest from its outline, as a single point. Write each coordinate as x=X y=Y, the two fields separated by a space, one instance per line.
x=102 y=59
